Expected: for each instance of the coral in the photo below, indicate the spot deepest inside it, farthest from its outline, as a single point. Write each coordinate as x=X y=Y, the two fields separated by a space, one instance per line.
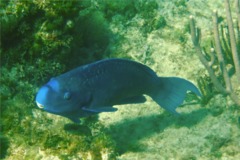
x=220 y=77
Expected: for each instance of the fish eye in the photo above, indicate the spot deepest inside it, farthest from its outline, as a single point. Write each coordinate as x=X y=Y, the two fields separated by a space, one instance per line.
x=67 y=96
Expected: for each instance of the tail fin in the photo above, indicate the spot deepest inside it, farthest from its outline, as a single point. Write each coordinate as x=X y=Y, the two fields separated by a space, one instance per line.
x=172 y=92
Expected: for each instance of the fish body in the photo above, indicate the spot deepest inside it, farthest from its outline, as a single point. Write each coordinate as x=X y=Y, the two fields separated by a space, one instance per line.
x=97 y=87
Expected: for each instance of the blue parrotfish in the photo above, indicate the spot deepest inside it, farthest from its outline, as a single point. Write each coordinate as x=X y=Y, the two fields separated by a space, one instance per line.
x=96 y=87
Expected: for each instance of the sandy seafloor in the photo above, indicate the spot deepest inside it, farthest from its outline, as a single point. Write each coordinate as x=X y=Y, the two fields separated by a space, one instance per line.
x=146 y=132
x=202 y=132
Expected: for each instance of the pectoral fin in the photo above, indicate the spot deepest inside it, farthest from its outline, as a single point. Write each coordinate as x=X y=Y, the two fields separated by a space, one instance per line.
x=100 y=109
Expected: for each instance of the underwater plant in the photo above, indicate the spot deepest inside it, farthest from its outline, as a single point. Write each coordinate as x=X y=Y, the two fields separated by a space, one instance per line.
x=225 y=47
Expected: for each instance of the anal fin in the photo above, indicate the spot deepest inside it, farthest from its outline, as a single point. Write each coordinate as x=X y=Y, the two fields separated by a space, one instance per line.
x=100 y=109
x=133 y=100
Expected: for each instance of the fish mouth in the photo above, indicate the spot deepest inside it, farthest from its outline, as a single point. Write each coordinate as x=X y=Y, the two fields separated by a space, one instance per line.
x=39 y=105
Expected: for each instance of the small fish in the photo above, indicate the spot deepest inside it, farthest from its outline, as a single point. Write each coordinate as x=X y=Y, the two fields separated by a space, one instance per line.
x=97 y=87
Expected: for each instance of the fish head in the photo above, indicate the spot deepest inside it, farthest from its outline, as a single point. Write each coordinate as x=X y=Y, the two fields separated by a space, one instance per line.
x=54 y=97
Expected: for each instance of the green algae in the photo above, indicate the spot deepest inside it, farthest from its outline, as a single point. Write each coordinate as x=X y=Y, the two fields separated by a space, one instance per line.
x=42 y=39
x=4 y=145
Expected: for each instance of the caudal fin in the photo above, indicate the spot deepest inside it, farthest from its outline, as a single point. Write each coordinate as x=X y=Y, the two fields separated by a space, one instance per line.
x=172 y=91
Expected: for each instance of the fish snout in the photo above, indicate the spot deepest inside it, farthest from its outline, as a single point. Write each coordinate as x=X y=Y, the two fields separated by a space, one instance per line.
x=41 y=97
x=39 y=105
